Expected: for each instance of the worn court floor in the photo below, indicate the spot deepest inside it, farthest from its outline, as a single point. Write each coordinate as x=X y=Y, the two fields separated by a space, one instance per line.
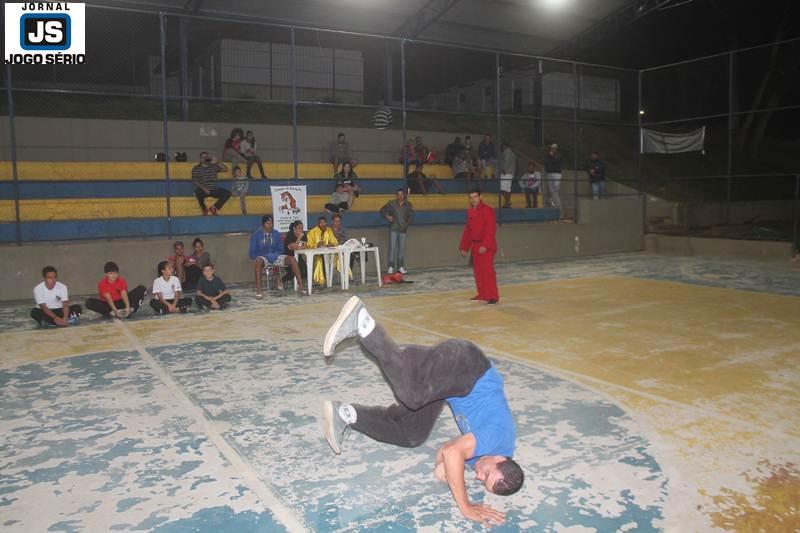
x=651 y=393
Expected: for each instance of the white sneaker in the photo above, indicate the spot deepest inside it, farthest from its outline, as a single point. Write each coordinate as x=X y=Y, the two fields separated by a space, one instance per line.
x=402 y=270
x=333 y=425
x=390 y=270
x=345 y=326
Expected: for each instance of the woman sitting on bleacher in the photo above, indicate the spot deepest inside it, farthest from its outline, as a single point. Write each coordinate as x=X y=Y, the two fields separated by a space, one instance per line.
x=347 y=177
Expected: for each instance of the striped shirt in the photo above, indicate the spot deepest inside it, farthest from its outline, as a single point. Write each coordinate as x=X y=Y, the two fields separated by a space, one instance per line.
x=205 y=176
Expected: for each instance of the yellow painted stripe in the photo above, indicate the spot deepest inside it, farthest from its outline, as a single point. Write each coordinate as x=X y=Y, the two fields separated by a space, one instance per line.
x=151 y=170
x=110 y=208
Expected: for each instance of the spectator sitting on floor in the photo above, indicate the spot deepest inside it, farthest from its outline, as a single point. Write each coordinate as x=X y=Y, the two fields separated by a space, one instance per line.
x=408 y=157
x=211 y=290
x=167 y=292
x=193 y=266
x=114 y=296
x=232 y=150
x=508 y=168
x=340 y=200
x=248 y=150
x=204 y=179
x=52 y=301
x=266 y=248
x=340 y=153
x=419 y=183
x=347 y=177
x=178 y=261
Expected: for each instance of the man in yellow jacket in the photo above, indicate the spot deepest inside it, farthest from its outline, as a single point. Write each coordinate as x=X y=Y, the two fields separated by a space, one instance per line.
x=321 y=235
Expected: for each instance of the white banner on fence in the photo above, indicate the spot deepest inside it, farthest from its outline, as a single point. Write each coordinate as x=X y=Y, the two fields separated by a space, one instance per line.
x=289 y=204
x=657 y=142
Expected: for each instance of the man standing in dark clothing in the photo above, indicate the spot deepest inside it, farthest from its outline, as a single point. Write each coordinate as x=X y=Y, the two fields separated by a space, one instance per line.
x=552 y=168
x=597 y=176
x=399 y=213
x=204 y=179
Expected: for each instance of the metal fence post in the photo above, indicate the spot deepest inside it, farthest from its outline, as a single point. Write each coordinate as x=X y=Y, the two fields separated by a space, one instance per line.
x=165 y=118
x=796 y=229
x=294 y=105
x=639 y=176
x=576 y=104
x=498 y=157
x=730 y=123
x=403 y=107
x=12 y=135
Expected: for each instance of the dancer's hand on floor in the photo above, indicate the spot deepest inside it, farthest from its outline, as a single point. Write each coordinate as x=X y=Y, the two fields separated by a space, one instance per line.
x=484 y=514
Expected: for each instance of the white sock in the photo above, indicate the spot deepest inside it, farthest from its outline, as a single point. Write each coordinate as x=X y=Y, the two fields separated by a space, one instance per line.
x=365 y=323
x=347 y=413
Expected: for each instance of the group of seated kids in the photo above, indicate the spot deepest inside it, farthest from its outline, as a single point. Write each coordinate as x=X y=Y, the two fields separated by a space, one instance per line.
x=53 y=307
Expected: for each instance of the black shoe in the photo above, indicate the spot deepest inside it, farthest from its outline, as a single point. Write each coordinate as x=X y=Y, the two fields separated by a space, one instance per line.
x=491 y=302
x=183 y=309
x=474 y=298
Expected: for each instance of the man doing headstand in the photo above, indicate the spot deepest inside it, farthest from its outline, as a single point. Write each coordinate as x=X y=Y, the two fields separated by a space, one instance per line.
x=423 y=378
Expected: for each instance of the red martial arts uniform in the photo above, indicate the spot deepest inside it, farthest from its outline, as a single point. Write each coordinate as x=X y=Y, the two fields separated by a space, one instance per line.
x=480 y=231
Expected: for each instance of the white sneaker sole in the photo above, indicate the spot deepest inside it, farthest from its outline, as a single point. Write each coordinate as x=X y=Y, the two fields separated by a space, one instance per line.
x=328 y=346
x=328 y=425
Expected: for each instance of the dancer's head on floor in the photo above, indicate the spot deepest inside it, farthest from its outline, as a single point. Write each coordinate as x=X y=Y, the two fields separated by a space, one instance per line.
x=500 y=475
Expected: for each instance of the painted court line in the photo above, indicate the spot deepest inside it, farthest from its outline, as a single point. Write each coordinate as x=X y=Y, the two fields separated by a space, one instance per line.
x=578 y=377
x=242 y=467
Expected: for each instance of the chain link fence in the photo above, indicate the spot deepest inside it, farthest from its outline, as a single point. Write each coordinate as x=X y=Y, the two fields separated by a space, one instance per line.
x=115 y=139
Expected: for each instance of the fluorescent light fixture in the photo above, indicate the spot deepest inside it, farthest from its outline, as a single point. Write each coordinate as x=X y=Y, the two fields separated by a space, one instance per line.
x=554 y=4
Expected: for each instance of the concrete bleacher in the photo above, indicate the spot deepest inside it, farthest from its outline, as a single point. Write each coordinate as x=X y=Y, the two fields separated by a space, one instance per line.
x=73 y=200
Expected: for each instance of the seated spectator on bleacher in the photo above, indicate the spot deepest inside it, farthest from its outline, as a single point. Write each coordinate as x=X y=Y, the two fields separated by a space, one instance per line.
x=340 y=153
x=408 y=156
x=232 y=150
x=248 y=149
x=194 y=264
x=487 y=155
x=167 y=292
x=460 y=168
x=211 y=290
x=471 y=157
x=266 y=248
x=114 y=296
x=178 y=261
x=340 y=200
x=452 y=150
x=204 y=179
x=419 y=183
x=347 y=176
x=295 y=239
x=52 y=301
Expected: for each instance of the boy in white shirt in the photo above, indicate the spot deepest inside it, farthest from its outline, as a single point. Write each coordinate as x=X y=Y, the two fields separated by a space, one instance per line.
x=531 y=181
x=167 y=292
x=52 y=297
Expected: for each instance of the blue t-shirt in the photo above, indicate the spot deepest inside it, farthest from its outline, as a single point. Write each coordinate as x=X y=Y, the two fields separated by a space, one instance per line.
x=484 y=412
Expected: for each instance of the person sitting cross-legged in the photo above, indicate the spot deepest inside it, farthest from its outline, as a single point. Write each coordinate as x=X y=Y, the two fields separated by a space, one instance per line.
x=115 y=299
x=211 y=290
x=425 y=378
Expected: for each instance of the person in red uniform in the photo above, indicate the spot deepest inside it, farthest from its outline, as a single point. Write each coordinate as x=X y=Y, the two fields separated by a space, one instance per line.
x=479 y=238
